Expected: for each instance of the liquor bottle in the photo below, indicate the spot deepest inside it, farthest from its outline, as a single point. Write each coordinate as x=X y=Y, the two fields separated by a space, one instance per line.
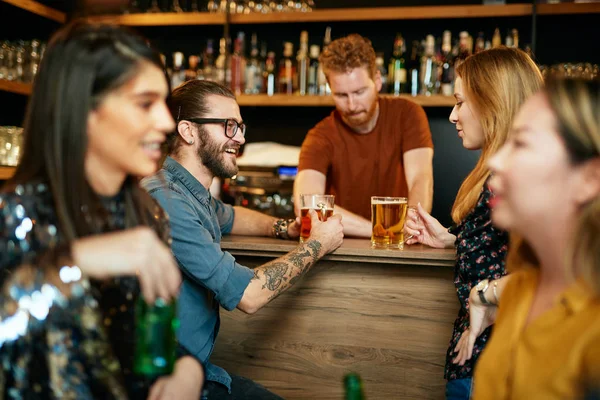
x=463 y=48
x=208 y=63
x=191 y=72
x=429 y=67
x=508 y=40
x=178 y=74
x=479 y=43
x=221 y=63
x=414 y=68
x=176 y=7
x=379 y=63
x=269 y=81
x=254 y=78
x=327 y=38
x=353 y=387
x=303 y=61
x=313 y=70
x=515 y=38
x=287 y=70
x=447 y=64
x=155 y=344
x=496 y=39
x=324 y=88
x=397 y=68
x=238 y=65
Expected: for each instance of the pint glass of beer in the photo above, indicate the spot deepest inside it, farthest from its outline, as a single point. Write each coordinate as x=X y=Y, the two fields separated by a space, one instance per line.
x=321 y=203
x=387 y=217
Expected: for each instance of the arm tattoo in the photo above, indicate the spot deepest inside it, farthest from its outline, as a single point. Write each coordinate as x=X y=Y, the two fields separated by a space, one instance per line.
x=316 y=248
x=281 y=274
x=276 y=275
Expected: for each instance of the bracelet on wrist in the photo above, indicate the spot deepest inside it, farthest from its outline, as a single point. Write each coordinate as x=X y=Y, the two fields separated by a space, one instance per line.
x=280 y=228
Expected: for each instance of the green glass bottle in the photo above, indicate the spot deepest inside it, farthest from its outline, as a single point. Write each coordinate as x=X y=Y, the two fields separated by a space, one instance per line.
x=353 y=386
x=156 y=344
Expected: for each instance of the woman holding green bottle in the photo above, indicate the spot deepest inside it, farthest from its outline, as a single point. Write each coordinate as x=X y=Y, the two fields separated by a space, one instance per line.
x=80 y=240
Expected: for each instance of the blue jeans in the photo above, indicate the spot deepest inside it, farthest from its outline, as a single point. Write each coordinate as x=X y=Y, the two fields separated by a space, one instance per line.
x=459 y=389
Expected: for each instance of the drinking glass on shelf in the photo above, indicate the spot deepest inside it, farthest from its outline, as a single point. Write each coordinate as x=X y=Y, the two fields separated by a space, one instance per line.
x=3 y=143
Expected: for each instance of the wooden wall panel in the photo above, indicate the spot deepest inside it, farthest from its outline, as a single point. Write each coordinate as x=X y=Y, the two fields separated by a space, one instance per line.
x=391 y=324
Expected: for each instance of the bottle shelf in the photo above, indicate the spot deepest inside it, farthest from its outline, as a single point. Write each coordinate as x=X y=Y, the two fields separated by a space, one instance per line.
x=568 y=8
x=162 y=19
x=6 y=172
x=386 y=13
x=38 y=9
x=15 y=87
x=283 y=100
x=350 y=14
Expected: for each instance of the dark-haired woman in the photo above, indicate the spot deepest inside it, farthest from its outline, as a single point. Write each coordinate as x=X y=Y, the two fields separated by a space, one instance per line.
x=80 y=241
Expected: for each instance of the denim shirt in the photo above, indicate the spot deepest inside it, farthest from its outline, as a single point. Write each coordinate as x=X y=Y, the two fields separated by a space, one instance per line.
x=211 y=276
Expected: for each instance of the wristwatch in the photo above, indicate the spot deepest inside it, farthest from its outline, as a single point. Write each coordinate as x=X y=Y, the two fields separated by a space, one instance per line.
x=280 y=228
x=482 y=287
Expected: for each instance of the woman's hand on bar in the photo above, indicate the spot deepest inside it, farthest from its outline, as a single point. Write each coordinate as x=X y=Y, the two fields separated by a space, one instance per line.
x=426 y=230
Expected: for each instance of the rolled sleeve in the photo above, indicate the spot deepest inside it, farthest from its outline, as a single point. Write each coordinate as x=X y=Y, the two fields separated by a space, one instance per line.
x=225 y=215
x=198 y=253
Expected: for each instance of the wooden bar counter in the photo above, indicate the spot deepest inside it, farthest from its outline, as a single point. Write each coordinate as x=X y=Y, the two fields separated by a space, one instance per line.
x=386 y=314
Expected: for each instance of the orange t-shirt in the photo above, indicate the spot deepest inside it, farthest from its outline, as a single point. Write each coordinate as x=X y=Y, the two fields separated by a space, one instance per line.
x=358 y=166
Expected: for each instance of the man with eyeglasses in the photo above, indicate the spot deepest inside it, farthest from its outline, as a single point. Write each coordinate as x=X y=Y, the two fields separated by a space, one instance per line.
x=208 y=136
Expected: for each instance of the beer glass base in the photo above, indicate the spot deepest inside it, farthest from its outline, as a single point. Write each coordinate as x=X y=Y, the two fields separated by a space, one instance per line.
x=387 y=246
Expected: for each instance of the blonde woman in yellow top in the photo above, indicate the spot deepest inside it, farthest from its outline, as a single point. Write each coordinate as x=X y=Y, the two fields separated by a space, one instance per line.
x=546 y=181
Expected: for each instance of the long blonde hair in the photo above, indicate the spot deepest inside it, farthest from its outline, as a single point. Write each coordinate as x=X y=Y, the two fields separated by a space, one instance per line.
x=497 y=82
x=576 y=105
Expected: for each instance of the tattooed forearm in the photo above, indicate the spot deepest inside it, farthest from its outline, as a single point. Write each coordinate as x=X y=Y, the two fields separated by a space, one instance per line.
x=276 y=275
x=316 y=249
x=279 y=275
x=255 y=277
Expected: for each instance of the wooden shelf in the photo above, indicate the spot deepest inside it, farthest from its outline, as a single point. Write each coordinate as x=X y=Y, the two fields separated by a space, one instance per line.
x=15 y=87
x=282 y=100
x=162 y=19
x=6 y=172
x=38 y=9
x=569 y=8
x=386 y=13
x=349 y=14
x=328 y=15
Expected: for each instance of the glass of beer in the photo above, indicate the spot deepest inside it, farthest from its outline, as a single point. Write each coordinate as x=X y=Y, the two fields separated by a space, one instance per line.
x=387 y=217
x=321 y=203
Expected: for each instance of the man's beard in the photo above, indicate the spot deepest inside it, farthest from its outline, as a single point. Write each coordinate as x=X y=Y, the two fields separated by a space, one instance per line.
x=212 y=157
x=354 y=122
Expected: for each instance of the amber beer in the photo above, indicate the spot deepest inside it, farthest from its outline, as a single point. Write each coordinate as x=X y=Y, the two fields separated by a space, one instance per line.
x=322 y=204
x=387 y=217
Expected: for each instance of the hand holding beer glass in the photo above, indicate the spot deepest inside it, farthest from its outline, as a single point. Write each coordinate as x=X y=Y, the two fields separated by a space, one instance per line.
x=388 y=215
x=321 y=203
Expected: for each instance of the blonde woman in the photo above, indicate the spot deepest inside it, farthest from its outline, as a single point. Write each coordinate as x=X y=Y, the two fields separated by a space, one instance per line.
x=546 y=343
x=489 y=89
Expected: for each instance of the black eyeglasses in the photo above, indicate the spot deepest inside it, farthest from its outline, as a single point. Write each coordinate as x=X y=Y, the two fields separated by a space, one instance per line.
x=232 y=127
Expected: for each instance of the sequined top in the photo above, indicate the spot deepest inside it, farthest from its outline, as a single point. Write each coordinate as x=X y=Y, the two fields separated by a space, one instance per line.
x=481 y=251
x=61 y=335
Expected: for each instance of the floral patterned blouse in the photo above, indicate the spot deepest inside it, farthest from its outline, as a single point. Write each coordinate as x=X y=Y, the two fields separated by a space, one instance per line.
x=481 y=251
x=61 y=335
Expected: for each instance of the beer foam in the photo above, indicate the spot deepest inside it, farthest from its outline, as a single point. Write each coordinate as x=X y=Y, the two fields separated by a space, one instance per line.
x=389 y=201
